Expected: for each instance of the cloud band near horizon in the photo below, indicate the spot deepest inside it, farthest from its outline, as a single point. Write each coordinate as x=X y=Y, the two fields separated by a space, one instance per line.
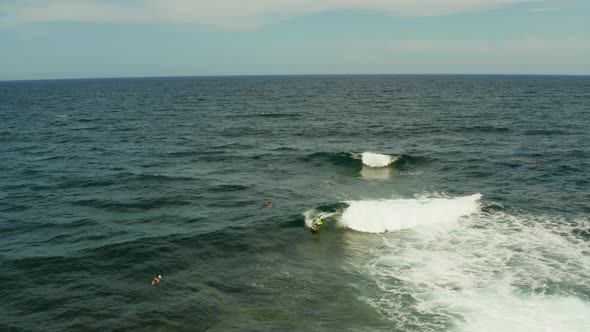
x=228 y=14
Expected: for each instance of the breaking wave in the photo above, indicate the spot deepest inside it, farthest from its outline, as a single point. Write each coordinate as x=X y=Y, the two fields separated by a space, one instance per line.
x=377 y=160
x=368 y=159
x=380 y=216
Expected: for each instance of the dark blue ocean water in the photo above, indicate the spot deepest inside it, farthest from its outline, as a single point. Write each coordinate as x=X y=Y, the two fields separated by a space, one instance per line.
x=471 y=213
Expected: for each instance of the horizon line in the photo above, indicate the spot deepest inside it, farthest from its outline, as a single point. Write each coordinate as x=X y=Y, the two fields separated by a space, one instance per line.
x=274 y=75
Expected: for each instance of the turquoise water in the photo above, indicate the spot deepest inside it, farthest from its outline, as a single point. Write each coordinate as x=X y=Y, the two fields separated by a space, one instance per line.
x=452 y=203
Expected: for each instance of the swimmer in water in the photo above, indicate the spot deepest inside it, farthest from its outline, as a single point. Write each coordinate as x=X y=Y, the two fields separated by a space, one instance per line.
x=268 y=205
x=156 y=279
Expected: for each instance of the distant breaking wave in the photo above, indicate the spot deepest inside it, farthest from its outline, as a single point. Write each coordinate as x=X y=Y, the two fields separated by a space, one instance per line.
x=273 y=115
x=368 y=159
x=377 y=160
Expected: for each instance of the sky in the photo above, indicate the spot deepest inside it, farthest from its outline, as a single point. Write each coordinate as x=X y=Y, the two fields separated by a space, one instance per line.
x=54 y=39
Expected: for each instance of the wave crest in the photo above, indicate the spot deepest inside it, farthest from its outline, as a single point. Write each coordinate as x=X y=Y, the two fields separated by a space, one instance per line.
x=372 y=159
x=379 y=216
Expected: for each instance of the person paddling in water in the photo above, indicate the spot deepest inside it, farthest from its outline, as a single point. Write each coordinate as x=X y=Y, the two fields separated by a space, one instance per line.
x=268 y=205
x=156 y=279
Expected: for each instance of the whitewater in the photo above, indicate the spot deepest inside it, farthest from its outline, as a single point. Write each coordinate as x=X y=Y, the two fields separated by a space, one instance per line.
x=487 y=271
x=394 y=215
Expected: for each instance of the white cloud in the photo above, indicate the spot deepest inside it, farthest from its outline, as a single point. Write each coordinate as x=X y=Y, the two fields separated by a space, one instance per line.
x=225 y=13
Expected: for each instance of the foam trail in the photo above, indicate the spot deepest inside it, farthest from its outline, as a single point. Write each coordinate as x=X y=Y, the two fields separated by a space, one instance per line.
x=393 y=215
x=377 y=160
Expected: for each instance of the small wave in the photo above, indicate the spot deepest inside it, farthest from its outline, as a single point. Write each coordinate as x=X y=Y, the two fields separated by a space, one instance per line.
x=138 y=205
x=381 y=216
x=243 y=131
x=545 y=132
x=47 y=158
x=88 y=119
x=14 y=208
x=336 y=158
x=525 y=160
x=88 y=183
x=123 y=178
x=285 y=148
x=377 y=160
x=484 y=129
x=219 y=152
x=275 y=115
x=228 y=188
x=368 y=159
x=79 y=128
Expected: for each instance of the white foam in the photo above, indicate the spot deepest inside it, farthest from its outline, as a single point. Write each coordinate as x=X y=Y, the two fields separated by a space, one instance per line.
x=392 y=215
x=491 y=272
x=489 y=311
x=377 y=160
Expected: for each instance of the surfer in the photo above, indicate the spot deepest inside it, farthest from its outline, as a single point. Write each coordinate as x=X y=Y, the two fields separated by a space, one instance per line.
x=268 y=205
x=316 y=225
x=156 y=279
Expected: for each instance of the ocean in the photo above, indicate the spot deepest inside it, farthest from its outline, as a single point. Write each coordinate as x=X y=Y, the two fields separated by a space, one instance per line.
x=451 y=203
